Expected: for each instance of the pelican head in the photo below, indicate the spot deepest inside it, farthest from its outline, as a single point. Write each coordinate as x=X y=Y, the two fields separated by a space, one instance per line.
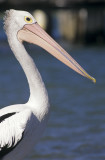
x=22 y=26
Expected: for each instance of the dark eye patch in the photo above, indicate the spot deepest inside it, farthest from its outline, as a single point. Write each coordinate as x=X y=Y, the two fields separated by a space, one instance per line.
x=28 y=19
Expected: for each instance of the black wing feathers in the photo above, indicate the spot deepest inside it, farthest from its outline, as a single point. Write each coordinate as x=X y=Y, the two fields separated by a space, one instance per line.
x=12 y=141
x=2 y=118
x=5 y=150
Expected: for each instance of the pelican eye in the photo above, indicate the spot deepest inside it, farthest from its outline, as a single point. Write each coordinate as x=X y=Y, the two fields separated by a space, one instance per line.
x=28 y=19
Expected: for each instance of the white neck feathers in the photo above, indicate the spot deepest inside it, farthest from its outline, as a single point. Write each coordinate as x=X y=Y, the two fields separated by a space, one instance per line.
x=38 y=95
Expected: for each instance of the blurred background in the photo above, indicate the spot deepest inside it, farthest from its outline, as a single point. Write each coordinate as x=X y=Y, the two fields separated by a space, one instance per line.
x=76 y=128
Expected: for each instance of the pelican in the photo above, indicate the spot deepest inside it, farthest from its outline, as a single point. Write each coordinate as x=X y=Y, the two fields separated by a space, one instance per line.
x=22 y=125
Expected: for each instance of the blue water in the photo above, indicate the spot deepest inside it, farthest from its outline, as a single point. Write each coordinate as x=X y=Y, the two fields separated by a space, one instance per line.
x=76 y=128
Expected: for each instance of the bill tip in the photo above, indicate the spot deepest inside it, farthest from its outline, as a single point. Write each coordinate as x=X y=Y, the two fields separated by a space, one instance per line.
x=93 y=79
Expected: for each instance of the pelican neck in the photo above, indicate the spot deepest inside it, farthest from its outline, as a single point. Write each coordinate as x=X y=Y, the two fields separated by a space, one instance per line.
x=38 y=93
